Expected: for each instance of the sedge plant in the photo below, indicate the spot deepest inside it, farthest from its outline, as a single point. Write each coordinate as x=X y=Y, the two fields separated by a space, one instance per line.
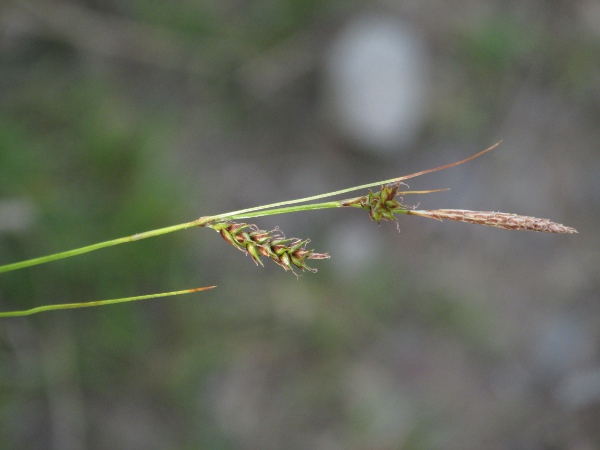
x=292 y=253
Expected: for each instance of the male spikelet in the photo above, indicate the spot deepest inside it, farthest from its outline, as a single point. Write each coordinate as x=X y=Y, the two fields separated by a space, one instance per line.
x=502 y=220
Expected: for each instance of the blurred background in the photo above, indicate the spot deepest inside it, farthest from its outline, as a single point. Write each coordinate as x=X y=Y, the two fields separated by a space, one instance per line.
x=118 y=117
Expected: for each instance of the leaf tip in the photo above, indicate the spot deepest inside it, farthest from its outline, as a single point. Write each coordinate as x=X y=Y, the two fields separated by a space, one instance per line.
x=205 y=288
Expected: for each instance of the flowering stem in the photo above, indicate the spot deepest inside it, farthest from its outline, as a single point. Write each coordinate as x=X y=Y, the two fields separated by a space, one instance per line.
x=257 y=211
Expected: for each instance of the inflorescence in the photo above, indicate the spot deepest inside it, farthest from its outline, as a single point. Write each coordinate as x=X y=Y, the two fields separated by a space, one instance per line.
x=288 y=253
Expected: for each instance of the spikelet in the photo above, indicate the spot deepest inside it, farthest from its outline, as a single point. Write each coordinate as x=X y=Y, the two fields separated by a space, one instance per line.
x=381 y=204
x=273 y=244
x=502 y=220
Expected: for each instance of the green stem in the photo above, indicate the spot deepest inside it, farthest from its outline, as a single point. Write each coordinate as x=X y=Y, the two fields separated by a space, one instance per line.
x=39 y=309
x=289 y=209
x=99 y=245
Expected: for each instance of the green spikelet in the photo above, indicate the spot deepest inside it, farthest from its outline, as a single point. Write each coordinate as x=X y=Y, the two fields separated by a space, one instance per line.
x=288 y=253
x=381 y=204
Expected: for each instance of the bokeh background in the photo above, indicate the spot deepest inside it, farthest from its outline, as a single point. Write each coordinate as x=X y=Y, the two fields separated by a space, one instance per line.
x=118 y=117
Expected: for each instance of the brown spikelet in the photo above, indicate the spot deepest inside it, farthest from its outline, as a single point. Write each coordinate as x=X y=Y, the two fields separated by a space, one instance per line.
x=273 y=244
x=495 y=219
